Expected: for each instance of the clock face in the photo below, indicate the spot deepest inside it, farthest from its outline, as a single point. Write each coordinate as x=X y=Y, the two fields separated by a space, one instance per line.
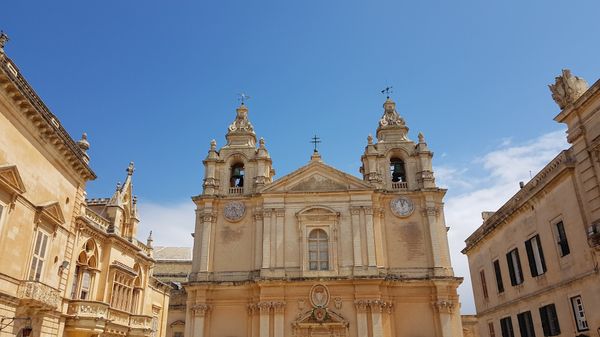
x=234 y=210
x=402 y=206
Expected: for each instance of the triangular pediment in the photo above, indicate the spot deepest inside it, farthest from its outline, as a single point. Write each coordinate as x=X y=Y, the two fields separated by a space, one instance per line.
x=316 y=177
x=52 y=212
x=11 y=179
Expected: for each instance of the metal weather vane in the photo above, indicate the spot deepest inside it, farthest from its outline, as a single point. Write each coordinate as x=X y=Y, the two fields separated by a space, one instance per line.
x=243 y=97
x=387 y=91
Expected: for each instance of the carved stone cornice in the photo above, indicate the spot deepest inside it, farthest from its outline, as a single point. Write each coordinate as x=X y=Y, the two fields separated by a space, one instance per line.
x=443 y=306
x=376 y=305
x=201 y=309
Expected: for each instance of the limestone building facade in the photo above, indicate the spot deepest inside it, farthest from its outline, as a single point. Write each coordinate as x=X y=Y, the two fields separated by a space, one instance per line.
x=68 y=266
x=320 y=252
x=534 y=262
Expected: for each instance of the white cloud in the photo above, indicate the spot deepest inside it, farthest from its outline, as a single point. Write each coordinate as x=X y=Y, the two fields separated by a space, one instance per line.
x=502 y=168
x=171 y=224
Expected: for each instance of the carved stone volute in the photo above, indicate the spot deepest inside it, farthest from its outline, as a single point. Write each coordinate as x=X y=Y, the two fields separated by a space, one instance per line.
x=567 y=88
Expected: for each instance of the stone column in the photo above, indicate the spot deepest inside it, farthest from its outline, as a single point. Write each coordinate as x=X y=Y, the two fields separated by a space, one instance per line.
x=205 y=257
x=200 y=311
x=280 y=213
x=279 y=327
x=361 y=317
x=444 y=308
x=439 y=242
x=370 y=237
x=355 y=212
x=377 y=307
x=252 y=320
x=265 y=308
x=266 y=253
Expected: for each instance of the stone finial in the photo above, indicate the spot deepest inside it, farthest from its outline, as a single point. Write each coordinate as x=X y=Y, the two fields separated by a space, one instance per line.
x=149 y=240
x=261 y=143
x=118 y=185
x=3 y=39
x=241 y=122
x=421 y=138
x=213 y=145
x=567 y=88
x=134 y=199
x=84 y=145
x=130 y=169
x=370 y=139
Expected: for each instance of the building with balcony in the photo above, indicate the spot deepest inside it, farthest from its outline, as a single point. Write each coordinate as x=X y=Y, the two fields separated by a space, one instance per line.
x=534 y=262
x=68 y=266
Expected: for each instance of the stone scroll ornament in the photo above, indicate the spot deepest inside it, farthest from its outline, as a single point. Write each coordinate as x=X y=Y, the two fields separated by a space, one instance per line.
x=567 y=88
x=234 y=210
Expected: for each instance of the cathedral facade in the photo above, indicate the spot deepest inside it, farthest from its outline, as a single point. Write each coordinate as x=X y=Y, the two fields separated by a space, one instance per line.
x=320 y=252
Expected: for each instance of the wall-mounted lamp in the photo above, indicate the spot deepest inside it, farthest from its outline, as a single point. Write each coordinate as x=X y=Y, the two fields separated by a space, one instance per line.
x=63 y=266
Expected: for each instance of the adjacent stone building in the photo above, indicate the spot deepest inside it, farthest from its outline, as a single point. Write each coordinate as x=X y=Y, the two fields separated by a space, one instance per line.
x=320 y=252
x=68 y=266
x=534 y=262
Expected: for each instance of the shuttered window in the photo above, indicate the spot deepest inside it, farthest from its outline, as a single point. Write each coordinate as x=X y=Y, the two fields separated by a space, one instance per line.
x=498 y=272
x=483 y=284
x=514 y=267
x=563 y=244
x=577 y=304
x=549 y=320
x=526 y=324
x=39 y=256
x=535 y=255
x=491 y=329
x=506 y=327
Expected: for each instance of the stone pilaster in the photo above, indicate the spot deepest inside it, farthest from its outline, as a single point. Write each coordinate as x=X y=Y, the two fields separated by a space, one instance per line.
x=280 y=228
x=445 y=309
x=361 y=317
x=356 y=240
x=199 y=312
x=266 y=244
x=278 y=317
x=265 y=309
x=208 y=220
x=370 y=237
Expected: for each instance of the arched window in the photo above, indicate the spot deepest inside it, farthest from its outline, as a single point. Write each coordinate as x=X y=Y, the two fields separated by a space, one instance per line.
x=237 y=175
x=137 y=289
x=397 y=171
x=87 y=263
x=318 y=250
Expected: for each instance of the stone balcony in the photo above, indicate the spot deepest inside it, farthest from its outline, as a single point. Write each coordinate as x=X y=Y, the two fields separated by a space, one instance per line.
x=35 y=294
x=401 y=185
x=98 y=317
x=236 y=190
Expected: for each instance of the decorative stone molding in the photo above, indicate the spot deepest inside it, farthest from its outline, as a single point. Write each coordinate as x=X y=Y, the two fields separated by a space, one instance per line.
x=361 y=305
x=338 y=303
x=443 y=306
x=267 y=213
x=36 y=294
x=567 y=88
x=278 y=307
x=355 y=210
x=264 y=307
x=280 y=212
x=201 y=309
x=430 y=211
x=258 y=215
x=252 y=309
x=368 y=210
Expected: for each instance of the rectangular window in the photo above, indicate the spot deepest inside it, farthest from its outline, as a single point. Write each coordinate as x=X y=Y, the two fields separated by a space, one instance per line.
x=506 y=327
x=514 y=267
x=491 y=329
x=39 y=256
x=483 y=284
x=85 y=285
x=535 y=255
x=563 y=244
x=549 y=320
x=579 y=313
x=526 y=324
x=498 y=272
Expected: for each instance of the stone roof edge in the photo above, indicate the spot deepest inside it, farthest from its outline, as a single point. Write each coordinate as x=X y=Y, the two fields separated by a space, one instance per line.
x=15 y=76
x=587 y=95
x=546 y=175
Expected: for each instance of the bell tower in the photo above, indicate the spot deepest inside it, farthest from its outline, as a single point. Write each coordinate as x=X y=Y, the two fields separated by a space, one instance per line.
x=394 y=162
x=239 y=167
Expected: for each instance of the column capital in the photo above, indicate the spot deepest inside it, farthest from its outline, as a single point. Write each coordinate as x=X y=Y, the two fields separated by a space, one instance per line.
x=279 y=212
x=264 y=307
x=368 y=210
x=355 y=210
x=361 y=305
x=443 y=306
x=201 y=309
x=278 y=307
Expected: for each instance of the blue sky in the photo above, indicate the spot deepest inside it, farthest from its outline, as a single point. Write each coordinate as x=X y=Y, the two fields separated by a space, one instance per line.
x=153 y=82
